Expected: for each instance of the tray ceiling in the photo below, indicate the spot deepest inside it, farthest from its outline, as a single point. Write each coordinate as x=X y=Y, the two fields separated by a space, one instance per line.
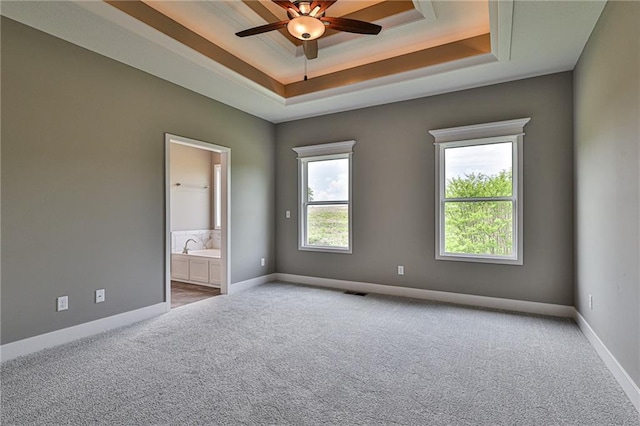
x=425 y=47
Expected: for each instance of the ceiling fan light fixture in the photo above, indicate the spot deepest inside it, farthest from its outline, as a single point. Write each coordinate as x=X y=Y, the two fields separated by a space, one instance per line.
x=306 y=28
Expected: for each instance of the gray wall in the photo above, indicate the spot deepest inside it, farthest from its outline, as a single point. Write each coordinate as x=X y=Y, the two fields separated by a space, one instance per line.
x=393 y=192
x=83 y=181
x=607 y=164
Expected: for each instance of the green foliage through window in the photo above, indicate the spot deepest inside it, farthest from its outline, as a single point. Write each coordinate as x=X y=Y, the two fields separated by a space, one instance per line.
x=480 y=185
x=479 y=227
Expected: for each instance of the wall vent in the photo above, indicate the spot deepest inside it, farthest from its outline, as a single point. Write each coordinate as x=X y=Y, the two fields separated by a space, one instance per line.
x=355 y=293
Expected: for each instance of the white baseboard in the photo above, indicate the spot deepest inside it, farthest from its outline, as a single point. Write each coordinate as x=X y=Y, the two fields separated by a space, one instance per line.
x=439 y=296
x=250 y=283
x=69 y=334
x=621 y=376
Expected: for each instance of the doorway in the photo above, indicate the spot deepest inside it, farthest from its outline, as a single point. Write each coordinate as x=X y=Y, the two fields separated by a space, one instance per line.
x=193 y=251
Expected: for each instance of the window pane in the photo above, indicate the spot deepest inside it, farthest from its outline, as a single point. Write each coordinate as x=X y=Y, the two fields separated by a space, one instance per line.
x=328 y=226
x=328 y=180
x=478 y=171
x=479 y=227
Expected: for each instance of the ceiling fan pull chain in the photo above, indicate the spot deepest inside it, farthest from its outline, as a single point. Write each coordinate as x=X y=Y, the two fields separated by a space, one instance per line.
x=305 y=68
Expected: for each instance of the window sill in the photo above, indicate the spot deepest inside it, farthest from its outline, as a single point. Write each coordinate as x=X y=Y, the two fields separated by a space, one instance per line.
x=480 y=259
x=326 y=249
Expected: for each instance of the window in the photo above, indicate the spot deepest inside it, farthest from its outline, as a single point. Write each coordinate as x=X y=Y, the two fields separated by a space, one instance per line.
x=324 y=191
x=479 y=192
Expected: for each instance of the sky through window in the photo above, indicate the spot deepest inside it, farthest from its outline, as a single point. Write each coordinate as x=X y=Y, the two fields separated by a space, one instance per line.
x=329 y=179
x=489 y=159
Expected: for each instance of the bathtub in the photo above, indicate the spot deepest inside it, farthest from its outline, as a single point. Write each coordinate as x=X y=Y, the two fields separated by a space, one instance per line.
x=200 y=267
x=205 y=253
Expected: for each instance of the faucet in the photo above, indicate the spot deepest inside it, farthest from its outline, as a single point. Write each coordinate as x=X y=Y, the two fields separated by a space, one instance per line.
x=185 y=250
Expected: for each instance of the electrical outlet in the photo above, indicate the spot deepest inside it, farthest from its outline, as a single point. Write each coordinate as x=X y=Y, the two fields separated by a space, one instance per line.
x=400 y=270
x=100 y=295
x=287 y=214
x=63 y=303
x=263 y=262
x=591 y=302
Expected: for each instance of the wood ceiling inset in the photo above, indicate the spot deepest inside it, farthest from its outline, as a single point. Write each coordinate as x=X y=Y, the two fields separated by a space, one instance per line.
x=411 y=61
x=420 y=59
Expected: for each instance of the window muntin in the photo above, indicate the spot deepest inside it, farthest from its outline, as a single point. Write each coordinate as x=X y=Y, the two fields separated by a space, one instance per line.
x=478 y=193
x=325 y=197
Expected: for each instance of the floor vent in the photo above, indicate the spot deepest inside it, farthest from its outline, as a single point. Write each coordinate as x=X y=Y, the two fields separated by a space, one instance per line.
x=355 y=293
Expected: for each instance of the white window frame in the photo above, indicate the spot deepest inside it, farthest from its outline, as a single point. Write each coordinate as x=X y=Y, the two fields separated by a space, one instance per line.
x=489 y=133
x=311 y=153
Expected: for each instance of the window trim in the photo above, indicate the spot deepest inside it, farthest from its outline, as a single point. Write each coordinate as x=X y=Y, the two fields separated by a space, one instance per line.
x=217 y=196
x=320 y=152
x=488 y=133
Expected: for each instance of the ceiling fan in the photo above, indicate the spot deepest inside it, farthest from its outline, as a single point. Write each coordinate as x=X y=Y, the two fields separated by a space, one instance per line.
x=307 y=22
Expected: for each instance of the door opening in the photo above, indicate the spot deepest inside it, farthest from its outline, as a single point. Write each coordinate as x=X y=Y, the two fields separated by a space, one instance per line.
x=197 y=214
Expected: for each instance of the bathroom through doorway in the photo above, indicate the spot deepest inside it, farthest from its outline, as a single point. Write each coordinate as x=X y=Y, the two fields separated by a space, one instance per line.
x=197 y=213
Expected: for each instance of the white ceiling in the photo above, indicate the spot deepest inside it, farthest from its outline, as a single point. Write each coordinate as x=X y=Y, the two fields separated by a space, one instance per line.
x=529 y=38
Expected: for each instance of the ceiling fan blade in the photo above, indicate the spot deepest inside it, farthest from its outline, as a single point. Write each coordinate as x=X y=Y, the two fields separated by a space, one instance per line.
x=262 y=29
x=324 y=5
x=286 y=5
x=351 y=25
x=310 y=48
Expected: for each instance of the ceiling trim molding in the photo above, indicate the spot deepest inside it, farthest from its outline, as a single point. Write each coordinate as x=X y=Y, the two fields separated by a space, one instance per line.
x=425 y=7
x=150 y=16
x=501 y=24
x=449 y=52
x=399 y=83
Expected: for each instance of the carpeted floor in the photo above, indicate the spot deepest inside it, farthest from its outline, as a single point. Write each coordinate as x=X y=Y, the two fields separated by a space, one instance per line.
x=294 y=355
